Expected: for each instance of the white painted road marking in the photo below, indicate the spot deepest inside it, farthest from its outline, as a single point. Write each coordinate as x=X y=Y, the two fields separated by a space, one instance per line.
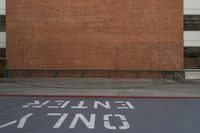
x=21 y=122
x=119 y=115
x=61 y=120
x=109 y=126
x=90 y=124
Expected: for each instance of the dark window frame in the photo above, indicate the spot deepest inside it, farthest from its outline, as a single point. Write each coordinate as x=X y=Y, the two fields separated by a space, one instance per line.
x=192 y=57
x=192 y=22
x=2 y=23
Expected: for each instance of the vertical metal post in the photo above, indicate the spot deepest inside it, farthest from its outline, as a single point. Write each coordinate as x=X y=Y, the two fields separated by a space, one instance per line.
x=109 y=74
x=5 y=73
x=5 y=69
x=137 y=74
x=55 y=73
x=82 y=74
x=173 y=75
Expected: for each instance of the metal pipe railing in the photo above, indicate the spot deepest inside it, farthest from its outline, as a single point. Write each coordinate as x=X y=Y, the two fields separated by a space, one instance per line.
x=85 y=73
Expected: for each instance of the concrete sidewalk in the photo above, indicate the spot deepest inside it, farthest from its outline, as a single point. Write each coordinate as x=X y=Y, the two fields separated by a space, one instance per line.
x=100 y=87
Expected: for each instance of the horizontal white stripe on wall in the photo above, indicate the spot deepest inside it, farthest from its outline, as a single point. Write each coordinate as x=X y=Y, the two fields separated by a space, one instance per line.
x=192 y=38
x=193 y=12
x=2 y=11
x=191 y=6
x=2 y=45
x=2 y=39
x=192 y=73
x=2 y=4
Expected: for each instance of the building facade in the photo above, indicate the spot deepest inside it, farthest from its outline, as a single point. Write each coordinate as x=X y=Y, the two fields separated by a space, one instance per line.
x=2 y=25
x=192 y=39
x=99 y=35
x=2 y=37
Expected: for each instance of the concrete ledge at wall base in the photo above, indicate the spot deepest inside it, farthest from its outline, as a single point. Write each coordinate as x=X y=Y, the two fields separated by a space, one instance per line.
x=96 y=73
x=192 y=73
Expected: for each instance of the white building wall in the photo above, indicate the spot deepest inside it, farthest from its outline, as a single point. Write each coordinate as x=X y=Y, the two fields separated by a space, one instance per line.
x=2 y=6
x=2 y=39
x=192 y=38
x=191 y=6
x=192 y=74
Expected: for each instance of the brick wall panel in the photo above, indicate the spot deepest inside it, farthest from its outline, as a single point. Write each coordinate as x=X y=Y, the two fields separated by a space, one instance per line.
x=60 y=34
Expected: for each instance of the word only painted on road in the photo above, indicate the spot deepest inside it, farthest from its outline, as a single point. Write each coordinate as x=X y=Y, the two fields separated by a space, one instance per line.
x=87 y=119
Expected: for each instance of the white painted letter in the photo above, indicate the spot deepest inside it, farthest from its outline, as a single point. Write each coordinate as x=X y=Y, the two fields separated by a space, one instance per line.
x=124 y=122
x=107 y=122
x=106 y=105
x=109 y=126
x=60 y=121
x=124 y=105
x=90 y=124
x=35 y=104
x=23 y=120
x=21 y=124
x=80 y=106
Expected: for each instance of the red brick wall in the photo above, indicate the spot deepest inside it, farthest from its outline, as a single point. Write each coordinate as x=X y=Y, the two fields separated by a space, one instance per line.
x=95 y=34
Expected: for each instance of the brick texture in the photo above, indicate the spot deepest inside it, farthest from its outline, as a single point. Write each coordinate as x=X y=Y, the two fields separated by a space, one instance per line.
x=95 y=34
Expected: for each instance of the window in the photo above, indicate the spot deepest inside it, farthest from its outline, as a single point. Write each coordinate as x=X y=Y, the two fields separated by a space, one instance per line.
x=192 y=57
x=192 y=22
x=2 y=23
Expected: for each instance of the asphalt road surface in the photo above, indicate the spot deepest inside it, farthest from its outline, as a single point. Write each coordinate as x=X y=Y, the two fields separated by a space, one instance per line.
x=99 y=115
